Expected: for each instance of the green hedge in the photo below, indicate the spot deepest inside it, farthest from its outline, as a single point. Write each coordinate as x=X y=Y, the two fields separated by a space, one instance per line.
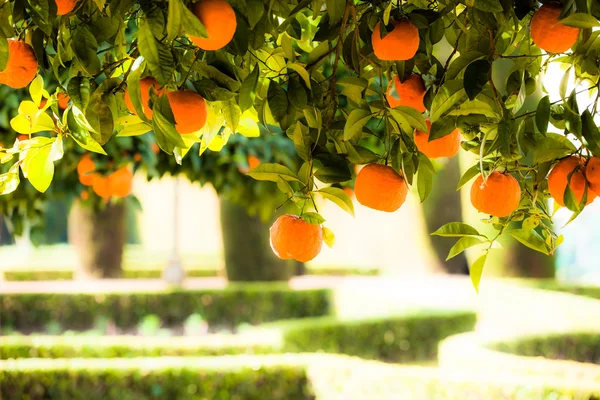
x=238 y=303
x=155 y=273
x=575 y=346
x=402 y=338
x=80 y=346
x=551 y=284
x=152 y=378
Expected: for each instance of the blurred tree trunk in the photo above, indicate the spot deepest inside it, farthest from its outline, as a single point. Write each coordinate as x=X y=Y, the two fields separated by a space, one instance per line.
x=248 y=254
x=521 y=261
x=442 y=206
x=98 y=237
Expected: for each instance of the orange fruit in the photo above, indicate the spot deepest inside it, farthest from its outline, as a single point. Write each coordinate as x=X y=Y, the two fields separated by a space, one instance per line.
x=85 y=167
x=137 y=157
x=84 y=195
x=65 y=6
x=592 y=173
x=121 y=182
x=401 y=43
x=499 y=195
x=220 y=22
x=23 y=137
x=253 y=162
x=349 y=192
x=558 y=179
x=155 y=148
x=409 y=93
x=380 y=187
x=293 y=237
x=446 y=146
x=21 y=67
x=63 y=100
x=102 y=186
x=189 y=110
x=145 y=85
x=550 y=35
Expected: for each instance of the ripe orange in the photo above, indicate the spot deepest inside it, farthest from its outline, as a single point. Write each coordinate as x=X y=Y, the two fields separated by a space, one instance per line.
x=550 y=35
x=65 y=6
x=85 y=169
x=23 y=137
x=145 y=84
x=499 y=195
x=380 y=187
x=155 y=148
x=121 y=182
x=102 y=186
x=349 y=192
x=592 y=173
x=253 y=162
x=189 y=110
x=63 y=100
x=292 y=237
x=21 y=67
x=401 y=43
x=409 y=93
x=137 y=157
x=84 y=195
x=558 y=178
x=218 y=18
x=446 y=146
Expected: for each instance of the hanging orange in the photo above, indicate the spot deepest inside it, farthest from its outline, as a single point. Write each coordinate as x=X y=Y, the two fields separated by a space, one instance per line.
x=446 y=146
x=380 y=187
x=63 y=100
x=65 y=6
x=21 y=67
x=592 y=173
x=499 y=195
x=292 y=237
x=102 y=186
x=85 y=169
x=559 y=177
x=145 y=85
x=548 y=33
x=401 y=43
x=218 y=17
x=409 y=93
x=189 y=110
x=121 y=182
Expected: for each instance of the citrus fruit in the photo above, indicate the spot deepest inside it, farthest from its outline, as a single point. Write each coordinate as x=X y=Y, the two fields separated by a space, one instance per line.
x=380 y=187
x=102 y=186
x=85 y=169
x=550 y=35
x=189 y=110
x=292 y=237
x=559 y=177
x=63 y=100
x=65 y=6
x=592 y=173
x=446 y=146
x=401 y=43
x=21 y=67
x=121 y=182
x=145 y=85
x=409 y=93
x=499 y=195
x=220 y=22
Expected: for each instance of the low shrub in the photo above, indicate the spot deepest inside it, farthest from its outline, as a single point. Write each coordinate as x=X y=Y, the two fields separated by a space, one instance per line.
x=238 y=303
x=582 y=346
x=83 y=346
x=402 y=338
x=214 y=378
x=551 y=284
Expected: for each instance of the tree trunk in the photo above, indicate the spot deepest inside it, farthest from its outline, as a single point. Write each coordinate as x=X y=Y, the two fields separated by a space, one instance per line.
x=442 y=206
x=520 y=261
x=248 y=254
x=98 y=237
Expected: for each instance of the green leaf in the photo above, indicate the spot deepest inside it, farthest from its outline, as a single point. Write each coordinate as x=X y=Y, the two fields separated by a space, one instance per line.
x=191 y=24
x=9 y=182
x=278 y=101
x=232 y=113
x=448 y=96
x=530 y=239
x=442 y=127
x=590 y=132
x=313 y=218
x=174 y=19
x=157 y=55
x=3 y=53
x=38 y=163
x=82 y=136
x=542 y=115
x=333 y=174
x=339 y=197
x=272 y=172
x=424 y=182
x=580 y=20
x=357 y=119
x=301 y=71
x=297 y=94
x=36 y=88
x=166 y=135
x=335 y=9
x=476 y=77
x=84 y=46
x=476 y=270
x=457 y=229
x=328 y=237
x=459 y=65
x=467 y=176
x=248 y=89
x=462 y=244
x=409 y=118
x=298 y=136
x=487 y=5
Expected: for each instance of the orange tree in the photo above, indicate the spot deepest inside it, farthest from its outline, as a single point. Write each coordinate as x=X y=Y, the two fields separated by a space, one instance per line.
x=230 y=65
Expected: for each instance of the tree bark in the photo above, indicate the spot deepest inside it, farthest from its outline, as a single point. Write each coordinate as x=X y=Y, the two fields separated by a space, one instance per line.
x=248 y=254
x=442 y=206
x=98 y=237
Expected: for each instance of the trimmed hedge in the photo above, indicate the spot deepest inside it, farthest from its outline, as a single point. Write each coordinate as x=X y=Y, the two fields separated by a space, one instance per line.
x=551 y=284
x=402 y=338
x=238 y=303
x=80 y=346
x=575 y=346
x=155 y=273
x=153 y=378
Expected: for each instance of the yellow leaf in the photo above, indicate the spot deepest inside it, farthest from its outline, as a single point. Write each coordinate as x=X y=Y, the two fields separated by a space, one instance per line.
x=36 y=88
x=248 y=127
x=328 y=237
x=218 y=142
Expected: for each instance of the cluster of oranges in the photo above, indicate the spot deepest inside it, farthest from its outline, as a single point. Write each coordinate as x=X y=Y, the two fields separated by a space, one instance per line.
x=117 y=184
